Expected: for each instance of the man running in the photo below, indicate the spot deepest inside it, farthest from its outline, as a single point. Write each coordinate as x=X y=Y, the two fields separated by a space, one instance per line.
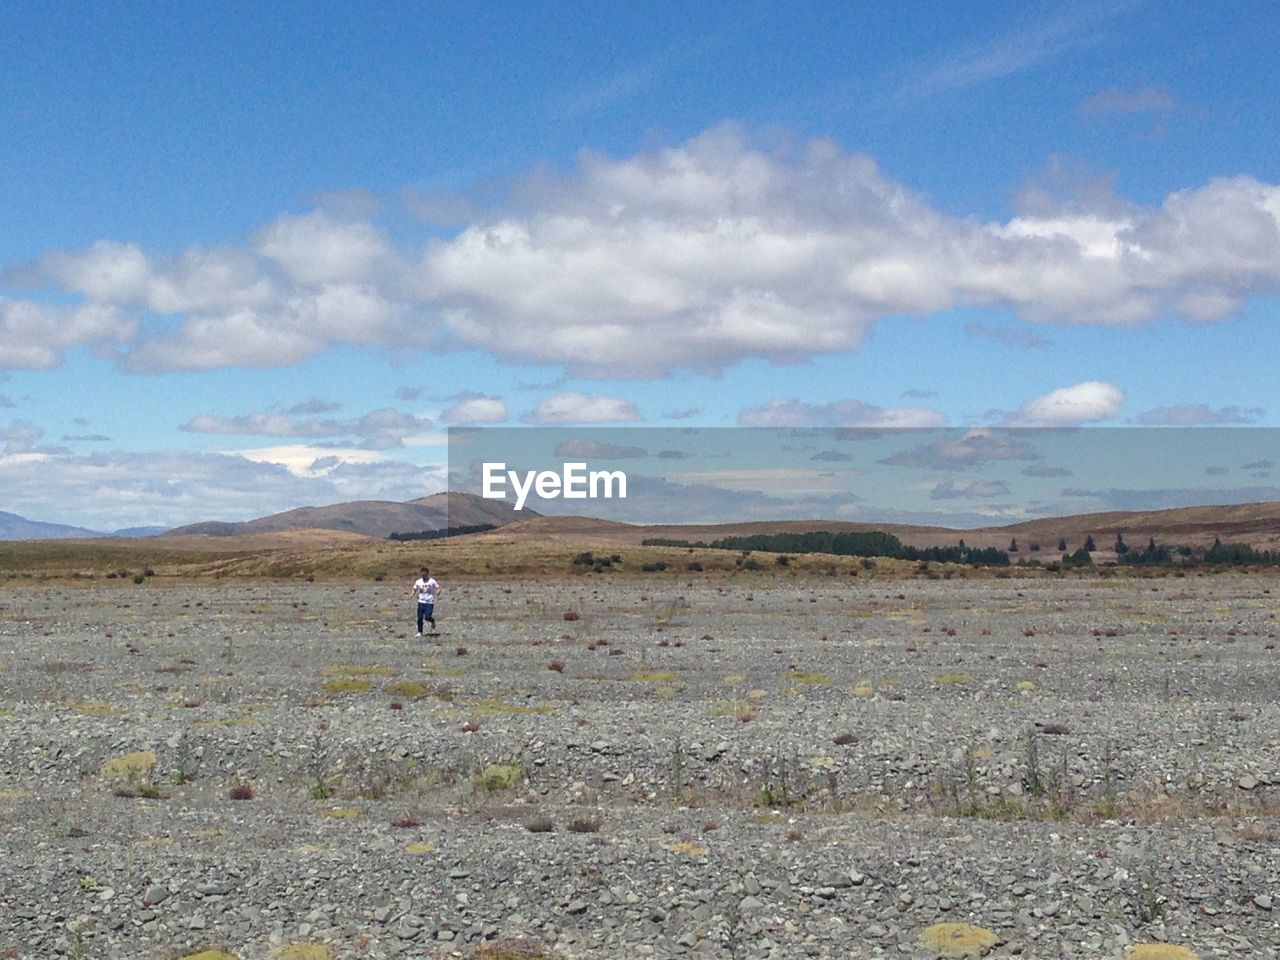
x=426 y=589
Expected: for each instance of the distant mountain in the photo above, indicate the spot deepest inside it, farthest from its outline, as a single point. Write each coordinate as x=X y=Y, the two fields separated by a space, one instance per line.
x=14 y=527
x=371 y=518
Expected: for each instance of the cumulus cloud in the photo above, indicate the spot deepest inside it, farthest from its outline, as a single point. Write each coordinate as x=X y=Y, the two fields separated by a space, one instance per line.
x=793 y=412
x=1072 y=406
x=695 y=256
x=1198 y=415
x=474 y=409
x=33 y=336
x=567 y=408
x=377 y=430
x=317 y=249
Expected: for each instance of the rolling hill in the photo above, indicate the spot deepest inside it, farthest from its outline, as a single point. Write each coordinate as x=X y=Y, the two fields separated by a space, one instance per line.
x=370 y=518
x=1257 y=524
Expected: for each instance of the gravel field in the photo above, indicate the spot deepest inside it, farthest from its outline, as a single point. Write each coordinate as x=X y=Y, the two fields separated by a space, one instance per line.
x=763 y=766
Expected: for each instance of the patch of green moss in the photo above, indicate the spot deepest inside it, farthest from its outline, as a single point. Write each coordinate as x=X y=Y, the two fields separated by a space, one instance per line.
x=130 y=766
x=349 y=685
x=500 y=776
x=657 y=676
x=811 y=679
x=342 y=813
x=96 y=709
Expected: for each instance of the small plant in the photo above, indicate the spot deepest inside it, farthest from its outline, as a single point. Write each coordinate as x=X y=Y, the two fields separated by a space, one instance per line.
x=500 y=776
x=240 y=791
x=572 y=615
x=540 y=825
x=1033 y=781
x=584 y=825
x=556 y=665
x=406 y=822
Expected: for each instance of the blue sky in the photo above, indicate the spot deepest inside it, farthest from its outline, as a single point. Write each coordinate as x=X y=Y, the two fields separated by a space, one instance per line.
x=254 y=257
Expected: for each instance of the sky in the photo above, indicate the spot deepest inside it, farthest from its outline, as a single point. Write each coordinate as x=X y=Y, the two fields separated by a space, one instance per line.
x=259 y=256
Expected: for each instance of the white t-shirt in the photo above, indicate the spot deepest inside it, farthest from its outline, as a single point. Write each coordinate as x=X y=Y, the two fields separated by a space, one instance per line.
x=426 y=589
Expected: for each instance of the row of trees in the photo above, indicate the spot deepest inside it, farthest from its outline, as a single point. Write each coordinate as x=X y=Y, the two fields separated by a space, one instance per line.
x=881 y=544
x=442 y=533
x=873 y=544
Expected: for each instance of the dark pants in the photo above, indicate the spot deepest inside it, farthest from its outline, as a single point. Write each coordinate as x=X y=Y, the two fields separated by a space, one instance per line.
x=424 y=613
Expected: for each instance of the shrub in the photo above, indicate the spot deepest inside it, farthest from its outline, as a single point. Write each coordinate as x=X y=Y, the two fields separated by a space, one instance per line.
x=241 y=791
x=500 y=776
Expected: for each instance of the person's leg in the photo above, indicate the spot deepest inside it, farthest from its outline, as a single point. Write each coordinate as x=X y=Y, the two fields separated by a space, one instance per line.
x=422 y=609
x=430 y=611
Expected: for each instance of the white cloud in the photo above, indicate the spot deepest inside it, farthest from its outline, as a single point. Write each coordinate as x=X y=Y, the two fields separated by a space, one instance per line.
x=33 y=336
x=567 y=408
x=105 y=491
x=376 y=430
x=697 y=256
x=474 y=409
x=316 y=248
x=122 y=275
x=1082 y=403
x=841 y=413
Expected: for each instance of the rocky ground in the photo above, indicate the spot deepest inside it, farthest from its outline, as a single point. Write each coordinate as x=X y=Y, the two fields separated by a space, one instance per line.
x=764 y=766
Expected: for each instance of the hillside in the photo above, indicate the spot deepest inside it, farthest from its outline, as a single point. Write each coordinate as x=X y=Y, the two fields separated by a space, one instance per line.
x=1257 y=524
x=14 y=527
x=370 y=518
